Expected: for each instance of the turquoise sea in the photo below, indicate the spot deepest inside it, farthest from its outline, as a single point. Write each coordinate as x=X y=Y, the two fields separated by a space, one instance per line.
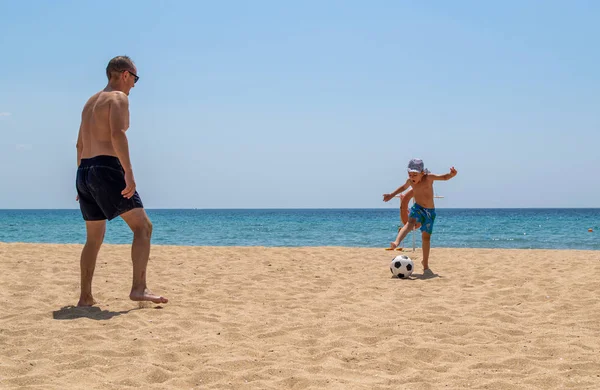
x=457 y=228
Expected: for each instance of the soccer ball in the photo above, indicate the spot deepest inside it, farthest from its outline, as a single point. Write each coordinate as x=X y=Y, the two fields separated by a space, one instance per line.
x=402 y=266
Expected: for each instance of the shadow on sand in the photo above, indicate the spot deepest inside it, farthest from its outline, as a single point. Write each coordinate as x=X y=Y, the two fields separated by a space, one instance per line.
x=91 y=312
x=426 y=275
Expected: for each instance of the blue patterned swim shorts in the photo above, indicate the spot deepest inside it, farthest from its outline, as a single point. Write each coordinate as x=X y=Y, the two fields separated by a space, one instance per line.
x=424 y=216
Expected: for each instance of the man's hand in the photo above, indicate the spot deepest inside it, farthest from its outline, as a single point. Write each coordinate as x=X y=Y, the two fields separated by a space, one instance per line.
x=387 y=197
x=77 y=198
x=129 y=185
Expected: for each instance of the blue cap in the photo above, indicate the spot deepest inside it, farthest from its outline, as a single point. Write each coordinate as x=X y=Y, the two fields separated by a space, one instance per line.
x=416 y=165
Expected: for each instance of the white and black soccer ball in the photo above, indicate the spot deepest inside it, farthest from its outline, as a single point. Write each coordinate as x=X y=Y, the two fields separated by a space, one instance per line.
x=402 y=266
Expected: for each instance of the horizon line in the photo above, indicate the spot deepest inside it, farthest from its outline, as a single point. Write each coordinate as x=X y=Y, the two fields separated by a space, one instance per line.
x=318 y=208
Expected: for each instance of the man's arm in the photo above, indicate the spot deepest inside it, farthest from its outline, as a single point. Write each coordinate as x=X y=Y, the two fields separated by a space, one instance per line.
x=447 y=176
x=79 y=145
x=399 y=190
x=119 y=123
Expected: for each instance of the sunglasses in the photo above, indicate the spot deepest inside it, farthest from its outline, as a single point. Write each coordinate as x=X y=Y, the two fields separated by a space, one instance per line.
x=135 y=76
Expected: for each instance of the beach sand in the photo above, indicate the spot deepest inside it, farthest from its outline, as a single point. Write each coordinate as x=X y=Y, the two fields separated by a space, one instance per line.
x=301 y=318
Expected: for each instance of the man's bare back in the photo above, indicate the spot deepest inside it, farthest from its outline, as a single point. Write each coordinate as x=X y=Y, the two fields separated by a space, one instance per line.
x=104 y=121
x=96 y=138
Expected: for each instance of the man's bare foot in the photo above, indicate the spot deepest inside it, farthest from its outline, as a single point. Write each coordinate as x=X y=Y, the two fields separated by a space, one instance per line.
x=146 y=295
x=86 y=300
x=393 y=245
x=425 y=265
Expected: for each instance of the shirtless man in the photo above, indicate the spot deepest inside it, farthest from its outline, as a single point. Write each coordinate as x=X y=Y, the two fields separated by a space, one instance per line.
x=105 y=183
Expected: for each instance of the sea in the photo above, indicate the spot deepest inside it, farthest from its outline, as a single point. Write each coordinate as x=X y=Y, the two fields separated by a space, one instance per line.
x=366 y=228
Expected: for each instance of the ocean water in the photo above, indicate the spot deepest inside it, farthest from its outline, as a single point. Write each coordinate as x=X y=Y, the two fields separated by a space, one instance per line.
x=456 y=228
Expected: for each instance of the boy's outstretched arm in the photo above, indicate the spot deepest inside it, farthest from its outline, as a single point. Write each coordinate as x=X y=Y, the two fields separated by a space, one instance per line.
x=400 y=189
x=447 y=176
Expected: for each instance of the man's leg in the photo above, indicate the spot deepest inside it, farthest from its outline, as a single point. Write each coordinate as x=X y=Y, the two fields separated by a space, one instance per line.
x=89 y=254
x=140 y=225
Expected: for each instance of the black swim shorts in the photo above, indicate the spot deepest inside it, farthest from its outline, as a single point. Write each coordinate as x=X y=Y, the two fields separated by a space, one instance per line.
x=99 y=182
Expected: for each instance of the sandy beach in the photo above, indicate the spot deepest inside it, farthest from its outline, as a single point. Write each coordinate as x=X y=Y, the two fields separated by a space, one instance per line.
x=301 y=318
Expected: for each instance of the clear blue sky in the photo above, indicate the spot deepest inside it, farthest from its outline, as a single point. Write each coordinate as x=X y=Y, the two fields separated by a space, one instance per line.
x=277 y=104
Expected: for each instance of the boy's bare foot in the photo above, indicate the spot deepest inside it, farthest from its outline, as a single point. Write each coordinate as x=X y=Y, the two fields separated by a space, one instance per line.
x=425 y=266
x=146 y=295
x=86 y=300
x=393 y=245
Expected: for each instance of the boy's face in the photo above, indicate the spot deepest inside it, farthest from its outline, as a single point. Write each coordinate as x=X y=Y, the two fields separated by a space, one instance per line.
x=415 y=177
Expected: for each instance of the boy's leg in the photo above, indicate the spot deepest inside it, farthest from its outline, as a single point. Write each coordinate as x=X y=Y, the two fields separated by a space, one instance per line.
x=403 y=232
x=426 y=238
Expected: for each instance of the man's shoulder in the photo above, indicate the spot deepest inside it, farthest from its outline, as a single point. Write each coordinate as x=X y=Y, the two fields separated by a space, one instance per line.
x=108 y=96
x=116 y=96
x=112 y=98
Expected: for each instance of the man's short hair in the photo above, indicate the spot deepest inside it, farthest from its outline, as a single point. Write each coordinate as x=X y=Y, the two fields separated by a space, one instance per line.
x=119 y=64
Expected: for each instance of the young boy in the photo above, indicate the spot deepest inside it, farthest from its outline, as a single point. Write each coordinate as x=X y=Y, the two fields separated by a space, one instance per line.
x=423 y=211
